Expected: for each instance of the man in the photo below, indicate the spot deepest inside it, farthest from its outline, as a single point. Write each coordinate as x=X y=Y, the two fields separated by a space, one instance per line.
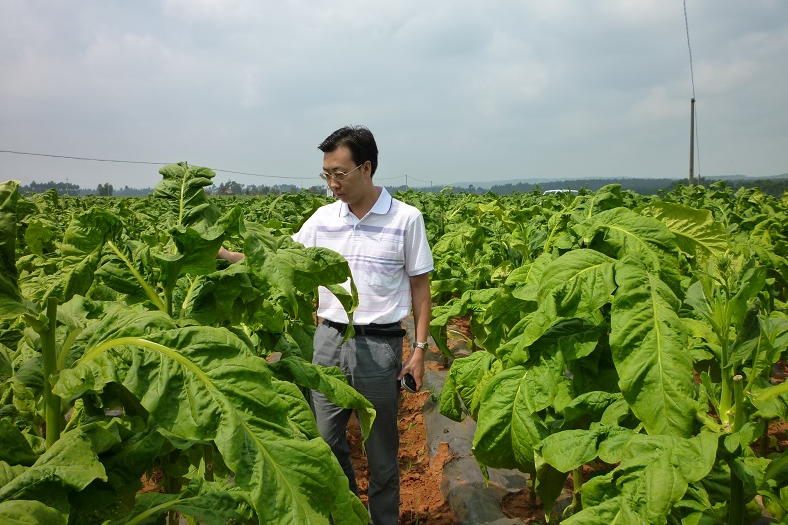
x=384 y=241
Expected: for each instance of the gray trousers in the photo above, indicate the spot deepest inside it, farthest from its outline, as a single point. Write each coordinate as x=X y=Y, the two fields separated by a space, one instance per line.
x=371 y=365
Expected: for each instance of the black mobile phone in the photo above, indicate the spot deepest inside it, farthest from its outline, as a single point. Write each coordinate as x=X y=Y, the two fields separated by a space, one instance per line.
x=408 y=383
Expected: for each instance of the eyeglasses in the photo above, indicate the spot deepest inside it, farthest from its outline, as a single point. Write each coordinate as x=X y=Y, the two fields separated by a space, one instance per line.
x=338 y=176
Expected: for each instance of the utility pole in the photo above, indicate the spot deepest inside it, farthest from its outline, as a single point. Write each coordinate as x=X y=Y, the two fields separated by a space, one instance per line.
x=692 y=144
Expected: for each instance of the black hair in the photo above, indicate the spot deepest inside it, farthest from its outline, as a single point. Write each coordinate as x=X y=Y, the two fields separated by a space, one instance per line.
x=358 y=139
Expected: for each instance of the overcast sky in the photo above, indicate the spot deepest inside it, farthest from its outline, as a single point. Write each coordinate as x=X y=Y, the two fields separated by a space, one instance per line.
x=455 y=91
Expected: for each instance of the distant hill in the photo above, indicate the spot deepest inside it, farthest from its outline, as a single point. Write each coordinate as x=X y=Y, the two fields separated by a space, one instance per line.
x=542 y=181
x=774 y=185
x=641 y=186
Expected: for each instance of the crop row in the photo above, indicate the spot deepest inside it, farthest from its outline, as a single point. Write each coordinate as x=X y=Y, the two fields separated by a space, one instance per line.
x=634 y=332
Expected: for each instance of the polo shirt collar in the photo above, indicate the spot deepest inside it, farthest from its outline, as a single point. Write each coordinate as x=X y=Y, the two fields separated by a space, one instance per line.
x=381 y=206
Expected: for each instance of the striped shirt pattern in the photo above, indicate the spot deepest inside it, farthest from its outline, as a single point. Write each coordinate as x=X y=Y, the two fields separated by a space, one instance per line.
x=383 y=250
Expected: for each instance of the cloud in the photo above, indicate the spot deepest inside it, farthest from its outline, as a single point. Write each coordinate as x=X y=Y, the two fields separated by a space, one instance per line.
x=451 y=89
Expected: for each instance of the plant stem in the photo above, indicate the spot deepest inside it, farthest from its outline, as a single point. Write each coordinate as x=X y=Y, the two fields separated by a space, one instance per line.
x=171 y=482
x=577 y=483
x=736 y=507
x=740 y=418
x=208 y=458
x=531 y=485
x=726 y=396
x=764 y=445
x=168 y=290
x=52 y=402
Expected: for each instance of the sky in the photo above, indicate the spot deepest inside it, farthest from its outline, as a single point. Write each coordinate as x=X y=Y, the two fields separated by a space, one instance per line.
x=455 y=91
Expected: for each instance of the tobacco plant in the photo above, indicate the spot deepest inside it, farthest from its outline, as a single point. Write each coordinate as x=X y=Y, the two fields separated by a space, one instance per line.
x=129 y=351
x=639 y=343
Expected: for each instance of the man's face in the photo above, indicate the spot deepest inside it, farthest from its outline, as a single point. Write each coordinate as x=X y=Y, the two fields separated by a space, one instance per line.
x=357 y=181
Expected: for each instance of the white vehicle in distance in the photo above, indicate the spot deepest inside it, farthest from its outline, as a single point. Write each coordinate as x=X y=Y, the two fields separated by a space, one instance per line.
x=573 y=192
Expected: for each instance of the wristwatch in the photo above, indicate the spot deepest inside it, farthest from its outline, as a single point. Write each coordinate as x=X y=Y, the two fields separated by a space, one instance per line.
x=423 y=345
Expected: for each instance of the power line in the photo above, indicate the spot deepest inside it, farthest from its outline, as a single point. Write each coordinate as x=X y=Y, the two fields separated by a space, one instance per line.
x=419 y=180
x=80 y=158
x=266 y=176
x=71 y=157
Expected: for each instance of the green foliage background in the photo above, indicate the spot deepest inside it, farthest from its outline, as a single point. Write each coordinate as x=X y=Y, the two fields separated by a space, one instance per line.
x=636 y=332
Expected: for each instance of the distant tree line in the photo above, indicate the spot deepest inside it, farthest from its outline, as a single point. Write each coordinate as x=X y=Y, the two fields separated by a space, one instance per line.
x=62 y=188
x=132 y=192
x=775 y=186
x=67 y=188
x=641 y=186
x=235 y=188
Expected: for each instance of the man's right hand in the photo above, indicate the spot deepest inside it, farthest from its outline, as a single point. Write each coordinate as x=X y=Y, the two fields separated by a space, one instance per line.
x=228 y=255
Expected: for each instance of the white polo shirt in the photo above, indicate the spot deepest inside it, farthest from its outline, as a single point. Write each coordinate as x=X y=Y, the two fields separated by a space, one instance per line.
x=386 y=247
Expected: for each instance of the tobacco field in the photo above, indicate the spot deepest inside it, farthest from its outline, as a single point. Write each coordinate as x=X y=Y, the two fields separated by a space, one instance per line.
x=641 y=337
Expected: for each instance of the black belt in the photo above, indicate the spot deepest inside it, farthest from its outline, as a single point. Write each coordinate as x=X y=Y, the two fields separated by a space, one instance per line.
x=385 y=330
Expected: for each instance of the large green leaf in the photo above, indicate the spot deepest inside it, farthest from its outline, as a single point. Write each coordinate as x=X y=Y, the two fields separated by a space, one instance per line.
x=774 y=485
x=751 y=281
x=620 y=232
x=575 y=285
x=508 y=431
x=548 y=483
x=129 y=270
x=588 y=408
x=222 y=296
x=202 y=384
x=195 y=251
x=138 y=445
x=195 y=255
x=208 y=503
x=182 y=188
x=291 y=268
x=40 y=236
x=570 y=449
x=465 y=241
x=649 y=346
x=463 y=386
x=330 y=381
x=11 y=303
x=525 y=279
x=653 y=475
x=605 y=198
x=70 y=463
x=696 y=231
x=16 y=450
x=29 y=512
x=580 y=282
x=80 y=254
